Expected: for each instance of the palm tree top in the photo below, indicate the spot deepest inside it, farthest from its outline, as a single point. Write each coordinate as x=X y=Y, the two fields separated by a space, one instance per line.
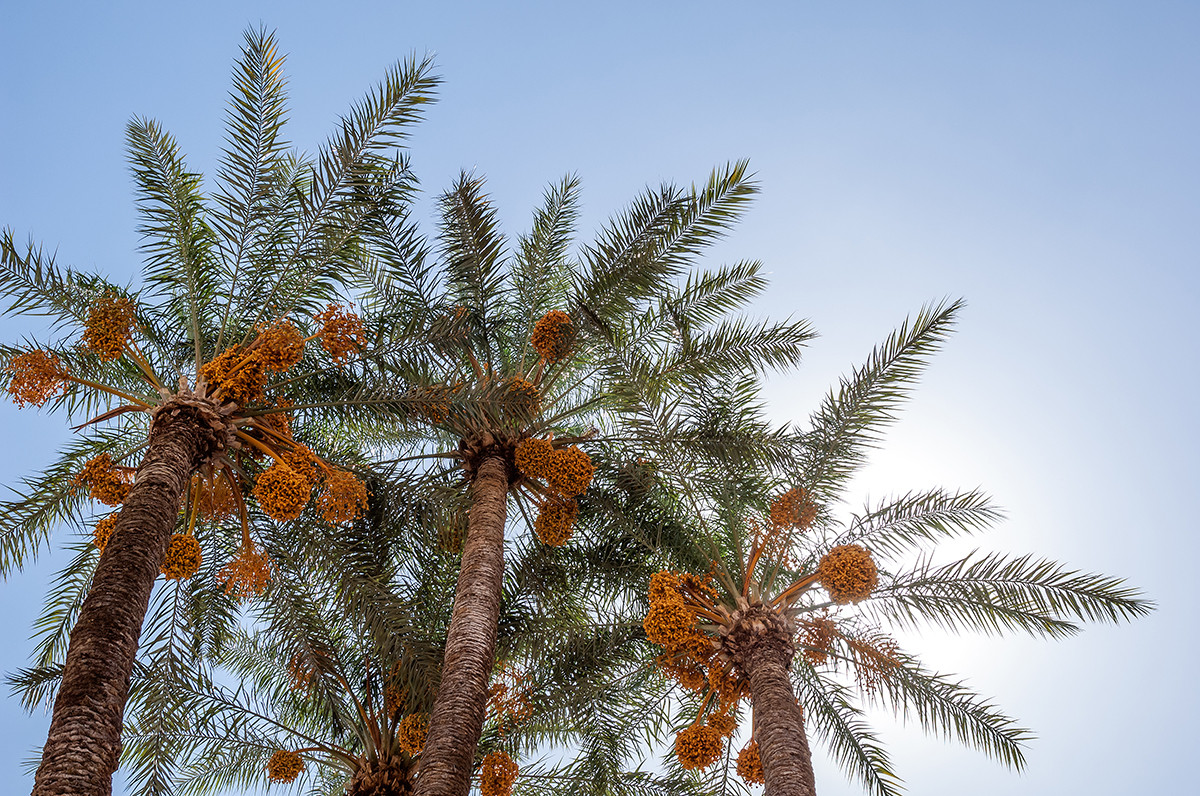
x=236 y=286
x=776 y=565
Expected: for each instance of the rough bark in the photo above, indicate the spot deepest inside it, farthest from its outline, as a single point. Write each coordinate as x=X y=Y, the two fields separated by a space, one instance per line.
x=778 y=722
x=84 y=743
x=375 y=777
x=458 y=711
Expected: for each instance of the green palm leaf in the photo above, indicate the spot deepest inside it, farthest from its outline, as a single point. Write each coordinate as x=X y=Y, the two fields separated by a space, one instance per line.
x=850 y=419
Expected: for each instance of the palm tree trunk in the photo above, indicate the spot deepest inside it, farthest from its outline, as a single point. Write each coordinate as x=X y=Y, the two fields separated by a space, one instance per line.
x=84 y=743
x=778 y=723
x=458 y=711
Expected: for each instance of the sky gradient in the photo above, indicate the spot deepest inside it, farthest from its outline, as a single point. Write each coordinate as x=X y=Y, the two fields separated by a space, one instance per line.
x=1036 y=158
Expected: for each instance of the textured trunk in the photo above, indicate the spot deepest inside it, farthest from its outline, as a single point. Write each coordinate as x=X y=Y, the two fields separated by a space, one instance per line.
x=84 y=743
x=380 y=778
x=457 y=718
x=778 y=724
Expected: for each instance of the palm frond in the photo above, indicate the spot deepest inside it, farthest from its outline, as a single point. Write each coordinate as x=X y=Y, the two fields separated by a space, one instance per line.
x=50 y=500
x=850 y=419
x=996 y=594
x=32 y=284
x=252 y=163
x=949 y=709
x=177 y=239
x=342 y=195
x=52 y=627
x=739 y=347
x=642 y=249
x=473 y=251
x=710 y=294
x=918 y=519
x=841 y=725
x=541 y=274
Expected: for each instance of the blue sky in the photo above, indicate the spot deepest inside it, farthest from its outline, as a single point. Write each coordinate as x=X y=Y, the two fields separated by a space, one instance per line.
x=1037 y=158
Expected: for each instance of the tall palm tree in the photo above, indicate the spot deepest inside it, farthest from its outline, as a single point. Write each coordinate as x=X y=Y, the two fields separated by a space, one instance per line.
x=514 y=361
x=785 y=597
x=202 y=371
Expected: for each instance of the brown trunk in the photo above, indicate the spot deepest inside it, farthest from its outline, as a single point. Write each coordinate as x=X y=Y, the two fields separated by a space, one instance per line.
x=778 y=722
x=380 y=778
x=84 y=743
x=457 y=718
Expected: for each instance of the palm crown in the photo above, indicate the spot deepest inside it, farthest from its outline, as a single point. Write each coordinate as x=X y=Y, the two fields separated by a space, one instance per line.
x=784 y=576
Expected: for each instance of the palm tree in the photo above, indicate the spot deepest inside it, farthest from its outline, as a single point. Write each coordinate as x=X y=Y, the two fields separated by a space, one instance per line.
x=778 y=598
x=514 y=361
x=208 y=363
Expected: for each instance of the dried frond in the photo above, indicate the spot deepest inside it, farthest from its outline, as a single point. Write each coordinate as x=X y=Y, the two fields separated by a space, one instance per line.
x=282 y=492
x=698 y=746
x=570 y=471
x=849 y=574
x=36 y=377
x=104 y=531
x=749 y=765
x=108 y=325
x=556 y=520
x=284 y=766
x=341 y=332
x=497 y=774
x=183 y=557
x=248 y=574
x=553 y=335
x=103 y=481
x=344 y=498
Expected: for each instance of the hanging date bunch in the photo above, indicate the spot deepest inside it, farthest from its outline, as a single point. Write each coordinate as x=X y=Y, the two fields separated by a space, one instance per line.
x=284 y=766
x=553 y=336
x=556 y=475
x=497 y=774
x=509 y=698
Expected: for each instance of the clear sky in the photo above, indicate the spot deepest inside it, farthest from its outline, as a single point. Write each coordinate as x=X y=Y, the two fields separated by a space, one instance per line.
x=1037 y=158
